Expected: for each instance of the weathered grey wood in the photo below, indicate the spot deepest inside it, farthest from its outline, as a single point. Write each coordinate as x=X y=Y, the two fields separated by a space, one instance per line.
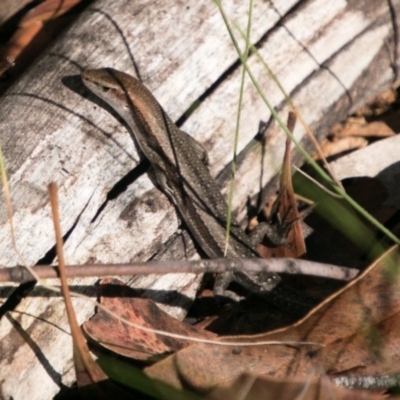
x=324 y=53
x=10 y=7
x=379 y=160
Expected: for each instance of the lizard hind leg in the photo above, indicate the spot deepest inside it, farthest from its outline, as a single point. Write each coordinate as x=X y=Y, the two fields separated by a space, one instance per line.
x=256 y=283
x=221 y=284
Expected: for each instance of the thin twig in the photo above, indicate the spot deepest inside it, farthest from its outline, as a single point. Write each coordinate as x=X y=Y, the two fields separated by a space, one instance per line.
x=278 y=265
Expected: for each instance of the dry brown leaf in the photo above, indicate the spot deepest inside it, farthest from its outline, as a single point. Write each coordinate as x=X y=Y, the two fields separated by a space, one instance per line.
x=286 y=209
x=351 y=135
x=128 y=341
x=249 y=387
x=379 y=104
x=295 y=246
x=330 y=149
x=33 y=22
x=21 y=39
x=355 y=330
x=48 y=10
x=93 y=383
x=360 y=127
x=30 y=31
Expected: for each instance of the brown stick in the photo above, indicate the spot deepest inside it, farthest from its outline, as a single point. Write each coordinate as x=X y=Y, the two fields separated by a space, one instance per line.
x=279 y=265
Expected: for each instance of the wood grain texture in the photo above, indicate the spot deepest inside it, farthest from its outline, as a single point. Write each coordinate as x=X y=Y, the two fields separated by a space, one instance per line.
x=10 y=8
x=330 y=56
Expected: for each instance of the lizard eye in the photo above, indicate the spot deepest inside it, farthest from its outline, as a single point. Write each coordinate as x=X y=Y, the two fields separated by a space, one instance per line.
x=105 y=88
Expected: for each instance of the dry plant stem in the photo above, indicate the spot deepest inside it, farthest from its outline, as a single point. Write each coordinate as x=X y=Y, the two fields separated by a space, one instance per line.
x=60 y=254
x=51 y=271
x=7 y=199
x=82 y=357
x=289 y=101
x=74 y=325
x=279 y=265
x=316 y=183
x=316 y=167
x=237 y=129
